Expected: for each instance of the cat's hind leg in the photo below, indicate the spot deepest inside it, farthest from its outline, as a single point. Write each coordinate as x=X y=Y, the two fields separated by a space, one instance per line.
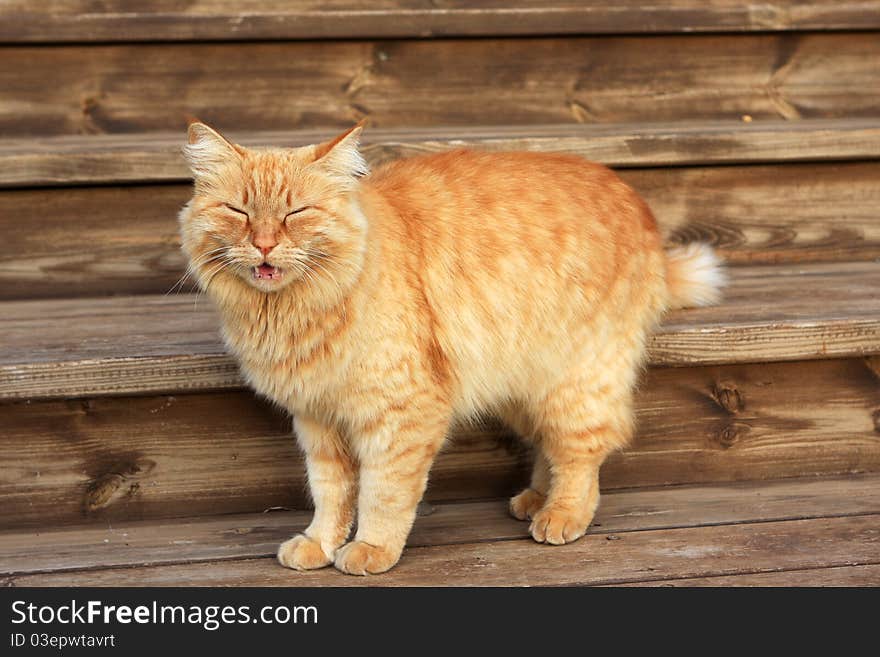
x=525 y=504
x=578 y=424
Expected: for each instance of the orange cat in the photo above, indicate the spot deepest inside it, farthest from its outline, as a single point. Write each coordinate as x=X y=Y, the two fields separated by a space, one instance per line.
x=379 y=308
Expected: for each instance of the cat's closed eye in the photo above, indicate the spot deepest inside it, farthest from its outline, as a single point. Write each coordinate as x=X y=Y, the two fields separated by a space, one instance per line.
x=236 y=210
x=298 y=210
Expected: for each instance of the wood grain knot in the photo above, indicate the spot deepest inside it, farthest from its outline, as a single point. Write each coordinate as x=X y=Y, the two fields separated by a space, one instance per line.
x=101 y=491
x=730 y=434
x=876 y=417
x=728 y=397
x=121 y=482
x=88 y=105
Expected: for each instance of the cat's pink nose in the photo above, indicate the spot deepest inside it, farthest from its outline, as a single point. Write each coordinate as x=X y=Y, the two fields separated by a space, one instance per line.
x=265 y=243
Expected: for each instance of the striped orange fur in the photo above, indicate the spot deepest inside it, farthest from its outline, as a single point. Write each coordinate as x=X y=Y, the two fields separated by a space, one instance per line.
x=380 y=308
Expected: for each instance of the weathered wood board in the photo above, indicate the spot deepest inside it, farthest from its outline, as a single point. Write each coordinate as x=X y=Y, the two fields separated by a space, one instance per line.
x=156 y=156
x=124 y=240
x=834 y=576
x=242 y=536
x=108 y=459
x=454 y=82
x=641 y=556
x=116 y=346
x=165 y=20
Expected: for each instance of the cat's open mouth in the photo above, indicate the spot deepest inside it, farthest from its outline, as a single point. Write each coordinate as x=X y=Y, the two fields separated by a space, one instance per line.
x=267 y=272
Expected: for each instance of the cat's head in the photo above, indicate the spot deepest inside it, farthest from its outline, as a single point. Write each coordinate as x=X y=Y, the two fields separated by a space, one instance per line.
x=269 y=218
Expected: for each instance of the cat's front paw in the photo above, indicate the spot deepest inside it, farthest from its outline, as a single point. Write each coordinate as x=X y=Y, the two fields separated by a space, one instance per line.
x=525 y=505
x=558 y=525
x=302 y=553
x=359 y=558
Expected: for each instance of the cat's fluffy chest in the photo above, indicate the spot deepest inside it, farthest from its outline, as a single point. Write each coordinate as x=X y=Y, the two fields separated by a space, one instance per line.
x=292 y=358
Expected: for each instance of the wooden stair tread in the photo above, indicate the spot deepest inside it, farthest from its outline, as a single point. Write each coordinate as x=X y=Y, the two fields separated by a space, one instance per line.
x=78 y=347
x=78 y=20
x=812 y=577
x=255 y=535
x=657 y=556
x=654 y=535
x=156 y=156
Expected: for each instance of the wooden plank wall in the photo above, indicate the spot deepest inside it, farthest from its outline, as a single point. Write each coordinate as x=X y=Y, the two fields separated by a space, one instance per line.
x=167 y=20
x=123 y=240
x=105 y=459
x=282 y=85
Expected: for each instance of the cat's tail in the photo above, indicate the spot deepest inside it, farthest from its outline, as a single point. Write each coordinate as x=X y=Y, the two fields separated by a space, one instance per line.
x=694 y=276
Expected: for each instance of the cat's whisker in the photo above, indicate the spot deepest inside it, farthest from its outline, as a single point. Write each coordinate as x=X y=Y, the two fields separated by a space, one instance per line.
x=187 y=275
x=307 y=273
x=209 y=278
x=179 y=283
x=317 y=266
x=310 y=275
x=222 y=264
x=225 y=261
x=193 y=266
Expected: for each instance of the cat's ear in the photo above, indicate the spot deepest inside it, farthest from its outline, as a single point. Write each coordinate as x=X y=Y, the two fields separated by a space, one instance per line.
x=206 y=150
x=341 y=155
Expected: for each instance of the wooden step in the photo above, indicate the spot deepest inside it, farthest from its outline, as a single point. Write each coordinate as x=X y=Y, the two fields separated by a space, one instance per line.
x=284 y=85
x=149 y=344
x=124 y=240
x=807 y=577
x=156 y=157
x=113 y=459
x=657 y=556
x=652 y=535
x=248 y=536
x=115 y=21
